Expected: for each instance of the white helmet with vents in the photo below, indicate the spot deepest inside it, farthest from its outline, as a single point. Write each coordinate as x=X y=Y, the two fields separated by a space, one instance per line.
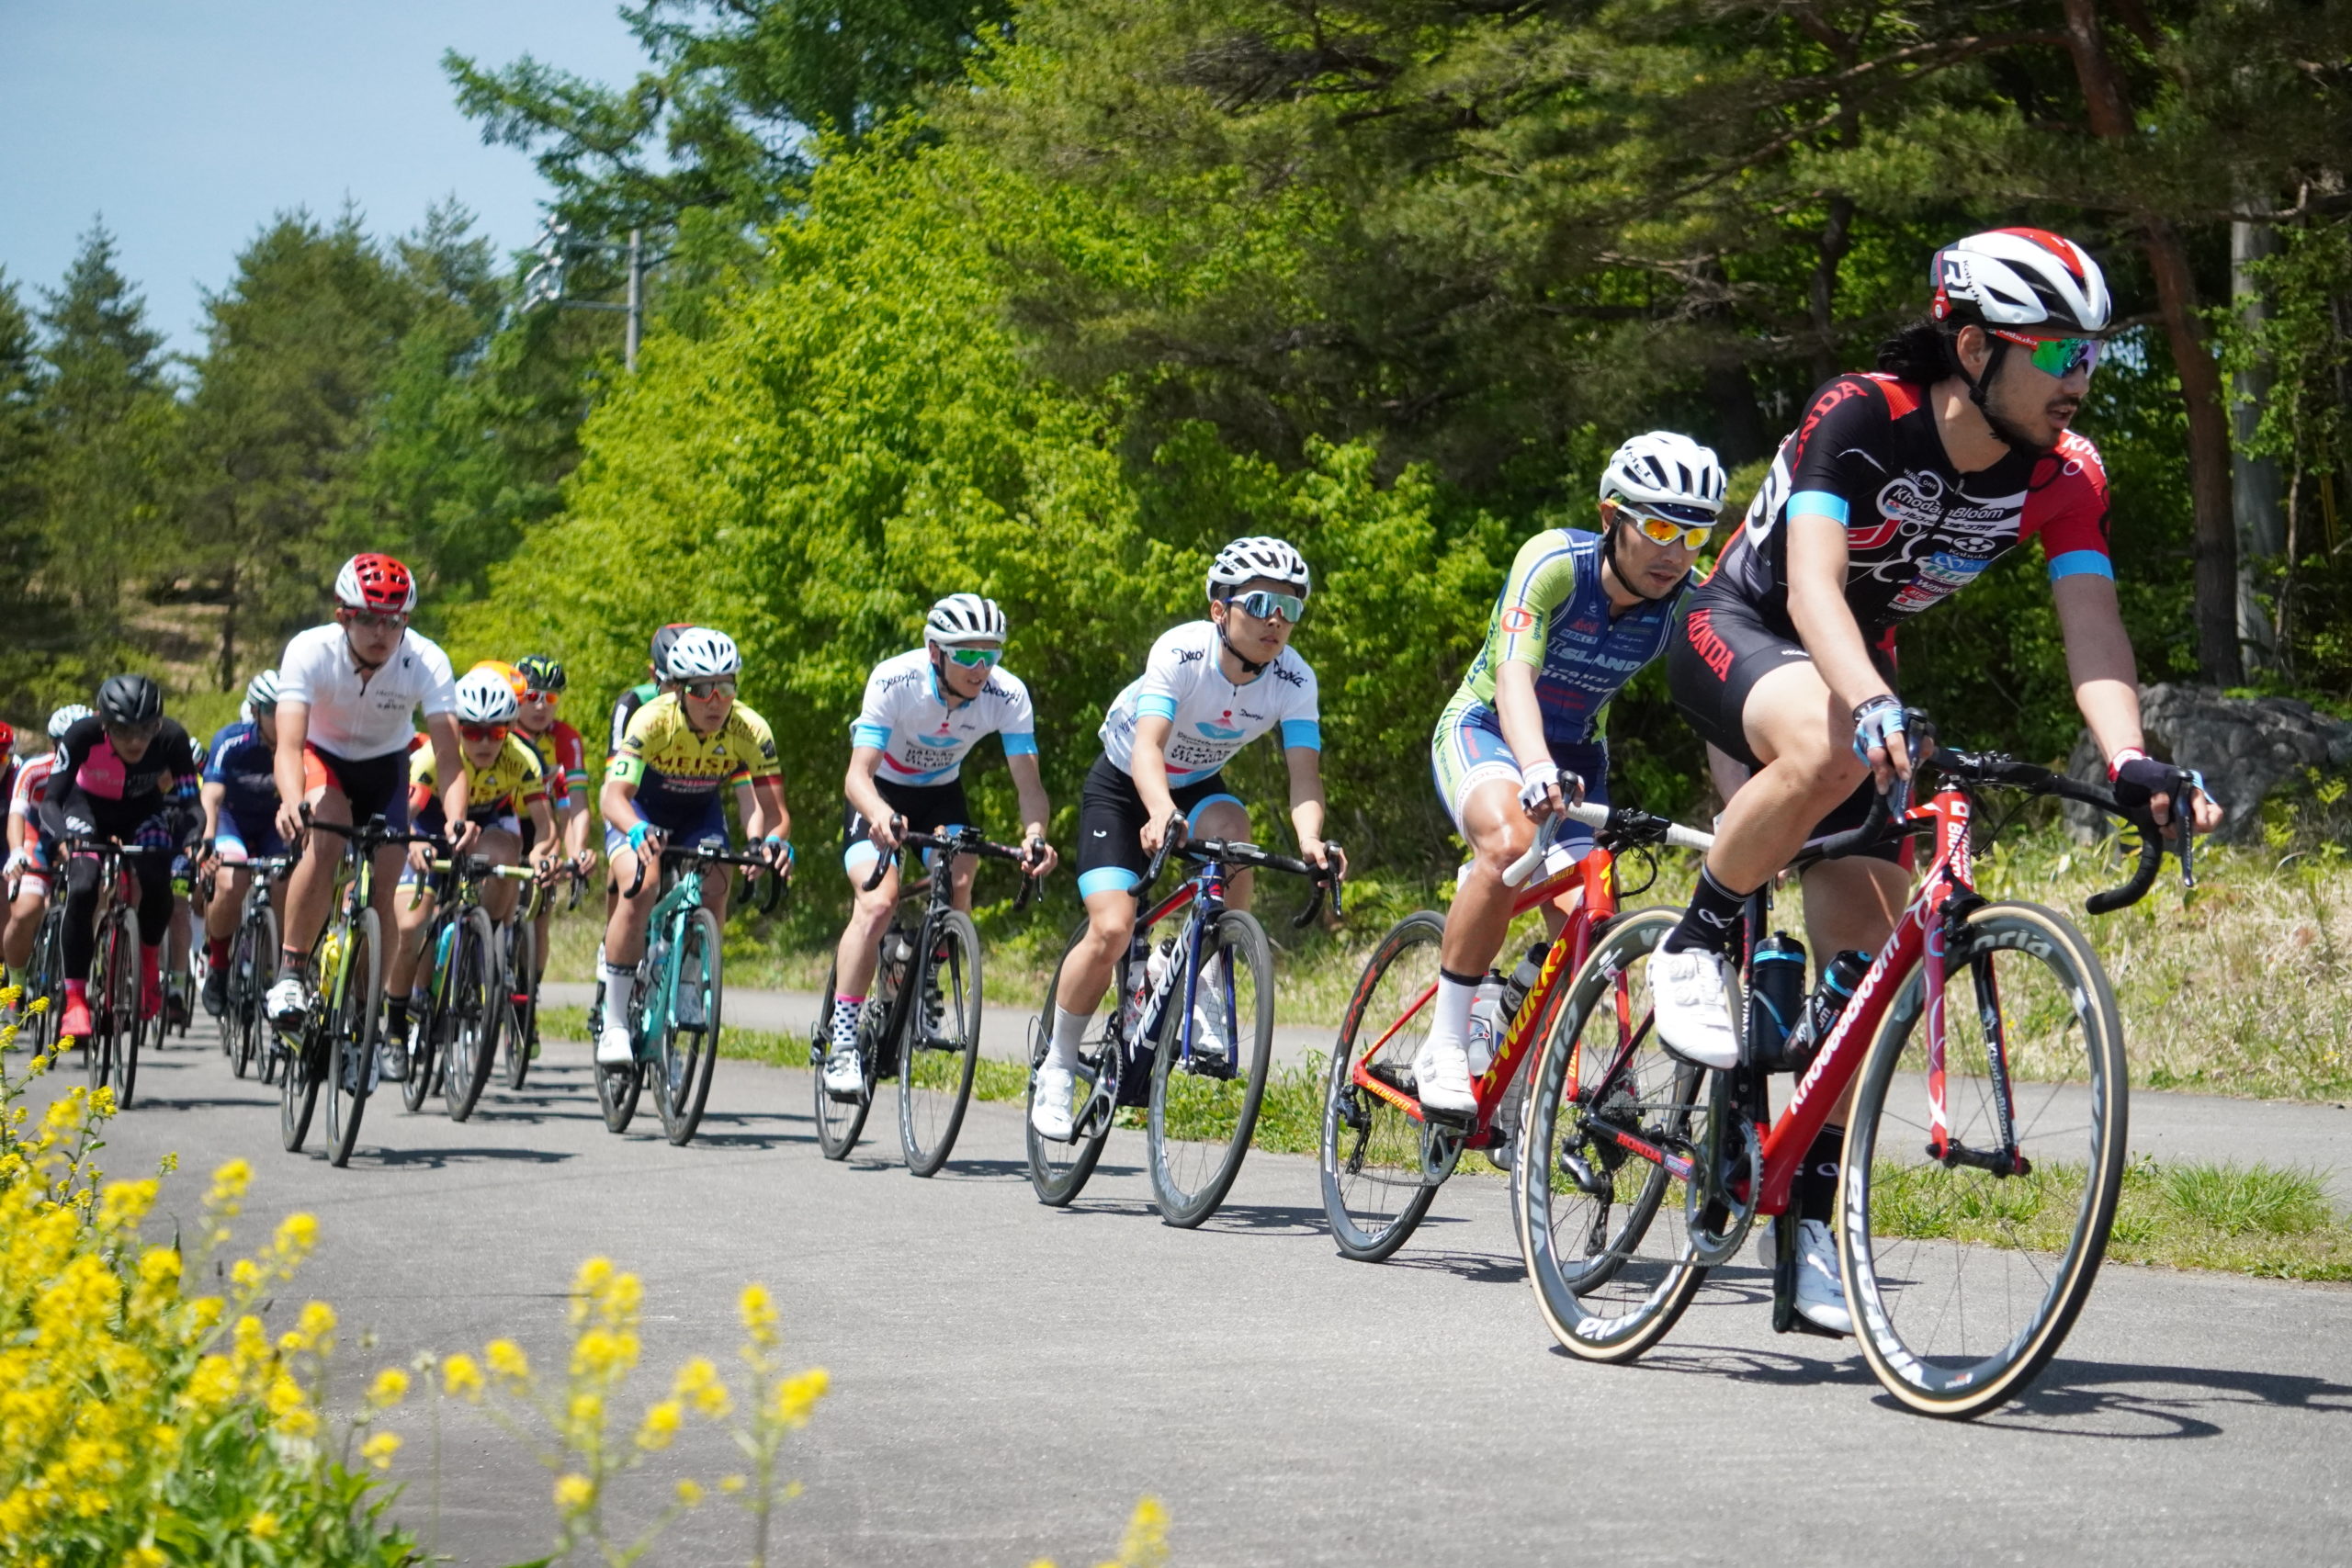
x=65 y=719
x=1666 y=475
x=962 y=618
x=701 y=654
x=485 y=697
x=2021 y=277
x=1258 y=555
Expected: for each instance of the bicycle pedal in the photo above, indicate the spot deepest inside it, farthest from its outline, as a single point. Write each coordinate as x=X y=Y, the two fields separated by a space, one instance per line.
x=1453 y=1120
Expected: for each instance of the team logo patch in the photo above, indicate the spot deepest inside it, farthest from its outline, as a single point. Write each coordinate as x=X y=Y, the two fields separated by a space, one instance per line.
x=1519 y=619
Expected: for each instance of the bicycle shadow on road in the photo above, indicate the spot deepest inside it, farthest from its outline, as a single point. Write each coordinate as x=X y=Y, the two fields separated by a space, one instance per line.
x=2076 y=1392
x=441 y=1160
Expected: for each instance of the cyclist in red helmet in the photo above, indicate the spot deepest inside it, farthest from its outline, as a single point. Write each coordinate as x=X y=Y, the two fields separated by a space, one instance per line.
x=348 y=694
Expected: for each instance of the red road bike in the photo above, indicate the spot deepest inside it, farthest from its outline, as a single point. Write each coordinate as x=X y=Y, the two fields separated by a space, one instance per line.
x=1973 y=1207
x=1383 y=1159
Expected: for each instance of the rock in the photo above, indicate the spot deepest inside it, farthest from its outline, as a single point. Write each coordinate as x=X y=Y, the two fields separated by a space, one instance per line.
x=2248 y=747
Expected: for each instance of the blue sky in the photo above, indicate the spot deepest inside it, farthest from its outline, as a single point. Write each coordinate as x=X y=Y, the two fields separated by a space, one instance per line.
x=188 y=123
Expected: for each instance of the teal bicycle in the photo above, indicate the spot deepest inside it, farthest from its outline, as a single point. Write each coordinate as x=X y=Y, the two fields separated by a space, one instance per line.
x=674 y=1005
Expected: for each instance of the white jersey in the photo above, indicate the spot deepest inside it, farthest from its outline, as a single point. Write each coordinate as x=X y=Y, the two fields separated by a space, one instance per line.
x=358 y=714
x=921 y=739
x=1211 y=719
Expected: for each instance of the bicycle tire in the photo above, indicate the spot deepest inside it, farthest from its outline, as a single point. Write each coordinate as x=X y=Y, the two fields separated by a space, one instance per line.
x=123 y=1006
x=1371 y=1216
x=522 y=969
x=353 y=1035
x=1058 y=1171
x=1619 y=1291
x=250 y=958
x=684 y=1059
x=299 y=1061
x=477 y=993
x=616 y=1093
x=44 y=983
x=1925 y=1361
x=97 y=992
x=839 y=1122
x=1191 y=1176
x=429 y=1024
x=935 y=1070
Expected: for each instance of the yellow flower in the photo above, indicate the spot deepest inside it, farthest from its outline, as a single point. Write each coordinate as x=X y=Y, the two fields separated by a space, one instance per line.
x=662 y=1424
x=124 y=1203
x=211 y=1386
x=317 y=1320
x=506 y=1360
x=462 y=1376
x=601 y=1352
x=297 y=1235
x=796 y=1397
x=1146 y=1543
x=733 y=1484
x=587 y=1417
x=690 y=1494
x=759 y=1314
x=102 y=1103
x=379 y=1449
x=263 y=1525
x=245 y=1274
x=229 y=1184
x=159 y=1267
x=573 y=1493
x=143 y=1557
x=285 y=1395
x=388 y=1388
x=698 y=1381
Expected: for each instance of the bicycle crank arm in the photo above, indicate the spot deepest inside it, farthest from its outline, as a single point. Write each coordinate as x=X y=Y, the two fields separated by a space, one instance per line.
x=1675 y=1164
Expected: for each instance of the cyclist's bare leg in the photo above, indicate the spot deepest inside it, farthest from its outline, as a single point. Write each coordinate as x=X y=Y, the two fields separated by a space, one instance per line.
x=311 y=884
x=1804 y=740
x=1500 y=832
x=498 y=895
x=625 y=932
x=386 y=899
x=227 y=904
x=869 y=914
x=717 y=881
x=1086 y=972
x=960 y=892
x=24 y=922
x=412 y=913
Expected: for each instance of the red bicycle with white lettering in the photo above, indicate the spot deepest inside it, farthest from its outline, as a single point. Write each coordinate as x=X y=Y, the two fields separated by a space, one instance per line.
x=1383 y=1158
x=1984 y=1155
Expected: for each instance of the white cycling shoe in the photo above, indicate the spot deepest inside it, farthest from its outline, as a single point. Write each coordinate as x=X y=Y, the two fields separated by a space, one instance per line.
x=613 y=1048
x=1441 y=1078
x=1821 y=1291
x=1691 y=992
x=844 y=1073
x=287 y=1001
x=1049 y=1100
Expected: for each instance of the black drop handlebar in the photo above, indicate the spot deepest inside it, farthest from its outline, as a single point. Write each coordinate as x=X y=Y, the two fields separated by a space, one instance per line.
x=771 y=886
x=963 y=842
x=1326 y=877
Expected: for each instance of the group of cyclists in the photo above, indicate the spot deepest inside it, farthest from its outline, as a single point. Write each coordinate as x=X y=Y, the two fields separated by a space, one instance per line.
x=1897 y=488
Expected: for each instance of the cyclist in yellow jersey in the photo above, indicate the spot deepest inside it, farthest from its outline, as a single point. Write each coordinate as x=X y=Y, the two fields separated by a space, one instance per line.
x=665 y=783
x=504 y=784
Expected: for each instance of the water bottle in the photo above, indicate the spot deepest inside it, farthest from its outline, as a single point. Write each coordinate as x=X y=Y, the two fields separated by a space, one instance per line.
x=1828 y=1000
x=1775 y=1001
x=1138 y=982
x=1523 y=980
x=1486 y=1024
x=441 y=949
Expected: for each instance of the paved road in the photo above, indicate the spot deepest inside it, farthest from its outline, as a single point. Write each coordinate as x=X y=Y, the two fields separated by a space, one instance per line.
x=1008 y=1379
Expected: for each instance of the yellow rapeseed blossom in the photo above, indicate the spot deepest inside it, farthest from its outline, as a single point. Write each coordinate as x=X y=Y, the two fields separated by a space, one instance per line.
x=690 y=1494
x=297 y=1235
x=388 y=1388
x=573 y=1493
x=263 y=1525
x=697 y=1381
x=759 y=1315
x=211 y=1386
x=462 y=1376
x=662 y=1424
x=796 y=1397
x=506 y=1360
x=123 y=1204
x=318 y=1321
x=379 y=1449
x=147 y=1556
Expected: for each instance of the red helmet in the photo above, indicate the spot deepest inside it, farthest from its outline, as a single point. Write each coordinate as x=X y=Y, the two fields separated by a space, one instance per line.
x=7 y=741
x=376 y=582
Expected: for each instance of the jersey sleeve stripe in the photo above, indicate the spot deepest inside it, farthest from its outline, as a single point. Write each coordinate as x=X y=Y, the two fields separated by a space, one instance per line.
x=2081 y=563
x=1155 y=704
x=1303 y=732
x=1820 y=504
x=1019 y=745
x=874 y=735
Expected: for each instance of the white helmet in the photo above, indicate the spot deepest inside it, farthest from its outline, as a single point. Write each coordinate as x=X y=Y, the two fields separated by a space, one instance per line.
x=964 y=618
x=701 y=654
x=2020 y=278
x=1667 y=475
x=65 y=719
x=485 y=697
x=1258 y=555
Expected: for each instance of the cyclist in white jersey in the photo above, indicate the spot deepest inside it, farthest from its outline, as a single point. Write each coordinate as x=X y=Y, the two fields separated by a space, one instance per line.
x=348 y=694
x=1208 y=689
x=925 y=711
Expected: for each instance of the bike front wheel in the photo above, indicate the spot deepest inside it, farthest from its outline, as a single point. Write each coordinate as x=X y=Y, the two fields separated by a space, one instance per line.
x=249 y=967
x=839 y=1122
x=1058 y=1171
x=123 y=1026
x=1376 y=1183
x=1965 y=1272
x=475 y=1008
x=355 y=1030
x=688 y=1035
x=942 y=1043
x=522 y=966
x=1209 y=1076
x=1601 y=1219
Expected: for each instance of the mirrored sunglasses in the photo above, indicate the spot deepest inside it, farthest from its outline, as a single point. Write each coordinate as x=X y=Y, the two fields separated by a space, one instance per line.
x=483 y=731
x=1666 y=531
x=703 y=691
x=2059 y=357
x=976 y=658
x=373 y=620
x=1264 y=605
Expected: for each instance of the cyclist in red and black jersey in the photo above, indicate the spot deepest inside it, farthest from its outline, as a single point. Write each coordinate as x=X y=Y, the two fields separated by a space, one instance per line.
x=1895 y=491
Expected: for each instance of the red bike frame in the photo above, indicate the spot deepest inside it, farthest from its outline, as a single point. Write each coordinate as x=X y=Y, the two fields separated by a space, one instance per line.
x=1592 y=877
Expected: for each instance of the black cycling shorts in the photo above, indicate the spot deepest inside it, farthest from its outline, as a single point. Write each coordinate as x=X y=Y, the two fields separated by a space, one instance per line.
x=1110 y=820
x=926 y=807
x=1724 y=647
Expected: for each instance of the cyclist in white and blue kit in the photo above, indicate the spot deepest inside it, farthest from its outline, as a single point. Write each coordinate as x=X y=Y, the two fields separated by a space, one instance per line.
x=1208 y=689
x=925 y=711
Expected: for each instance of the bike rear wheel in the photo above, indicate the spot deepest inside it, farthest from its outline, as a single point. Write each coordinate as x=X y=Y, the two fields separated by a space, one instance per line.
x=429 y=1028
x=839 y=1122
x=1376 y=1185
x=616 y=1093
x=521 y=970
x=300 y=1059
x=1963 y=1281
x=688 y=1051
x=1601 y=1226
x=476 y=1007
x=937 y=1061
x=1204 y=1101
x=250 y=962
x=1057 y=1171
x=354 y=1029
x=116 y=1066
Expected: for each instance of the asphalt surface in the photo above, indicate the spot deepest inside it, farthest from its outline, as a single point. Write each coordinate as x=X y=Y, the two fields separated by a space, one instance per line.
x=1006 y=1380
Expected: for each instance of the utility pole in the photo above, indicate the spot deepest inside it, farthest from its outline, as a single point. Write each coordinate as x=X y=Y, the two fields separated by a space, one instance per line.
x=635 y=297
x=544 y=285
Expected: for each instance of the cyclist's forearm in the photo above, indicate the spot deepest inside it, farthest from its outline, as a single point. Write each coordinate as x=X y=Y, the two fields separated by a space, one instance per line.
x=1306 y=795
x=2100 y=664
x=210 y=798
x=1825 y=621
x=857 y=786
x=1029 y=792
x=1149 y=769
x=285 y=762
x=618 y=803
x=1520 y=715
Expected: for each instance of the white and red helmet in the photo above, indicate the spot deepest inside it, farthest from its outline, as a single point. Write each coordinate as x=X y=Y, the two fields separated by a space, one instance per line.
x=2026 y=279
x=376 y=582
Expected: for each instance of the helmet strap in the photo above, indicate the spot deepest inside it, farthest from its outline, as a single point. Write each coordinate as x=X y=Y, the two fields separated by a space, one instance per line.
x=2004 y=431
x=1254 y=667
x=1625 y=578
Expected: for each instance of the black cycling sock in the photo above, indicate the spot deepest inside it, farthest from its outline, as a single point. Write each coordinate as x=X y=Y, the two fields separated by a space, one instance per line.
x=293 y=965
x=1712 y=922
x=396 y=1020
x=1817 y=1193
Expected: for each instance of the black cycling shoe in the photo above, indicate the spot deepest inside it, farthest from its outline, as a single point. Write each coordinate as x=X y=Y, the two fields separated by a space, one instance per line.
x=216 y=992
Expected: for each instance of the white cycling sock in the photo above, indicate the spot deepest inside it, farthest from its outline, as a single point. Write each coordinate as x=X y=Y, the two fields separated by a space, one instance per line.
x=1450 y=1012
x=1070 y=1029
x=618 y=983
x=845 y=1011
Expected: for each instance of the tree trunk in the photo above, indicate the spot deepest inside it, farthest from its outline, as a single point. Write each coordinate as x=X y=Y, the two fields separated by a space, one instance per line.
x=1836 y=238
x=2254 y=481
x=228 y=628
x=2218 y=657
